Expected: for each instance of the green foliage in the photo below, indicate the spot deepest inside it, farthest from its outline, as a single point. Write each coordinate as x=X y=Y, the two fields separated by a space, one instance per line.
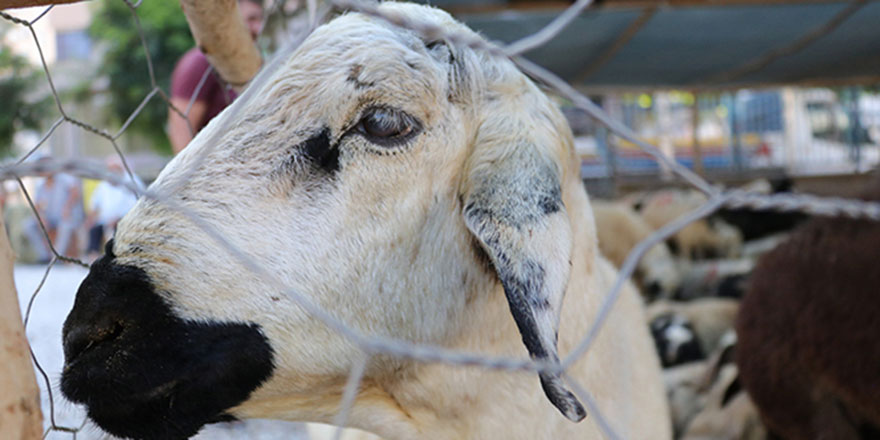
x=19 y=110
x=125 y=63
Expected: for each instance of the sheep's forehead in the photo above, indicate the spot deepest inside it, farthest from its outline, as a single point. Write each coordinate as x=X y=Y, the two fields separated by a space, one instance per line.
x=345 y=66
x=366 y=53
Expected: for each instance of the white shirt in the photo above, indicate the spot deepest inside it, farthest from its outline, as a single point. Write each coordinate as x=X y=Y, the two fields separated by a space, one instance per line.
x=111 y=202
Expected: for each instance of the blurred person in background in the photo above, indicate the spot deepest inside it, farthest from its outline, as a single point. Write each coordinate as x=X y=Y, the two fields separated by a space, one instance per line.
x=59 y=203
x=213 y=95
x=107 y=205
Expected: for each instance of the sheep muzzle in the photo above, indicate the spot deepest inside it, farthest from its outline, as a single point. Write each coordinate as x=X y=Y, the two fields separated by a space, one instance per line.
x=143 y=372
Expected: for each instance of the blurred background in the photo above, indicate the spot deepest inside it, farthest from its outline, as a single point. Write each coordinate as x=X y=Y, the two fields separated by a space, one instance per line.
x=785 y=92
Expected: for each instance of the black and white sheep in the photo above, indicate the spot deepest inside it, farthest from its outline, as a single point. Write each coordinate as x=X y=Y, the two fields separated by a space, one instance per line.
x=688 y=331
x=620 y=229
x=415 y=190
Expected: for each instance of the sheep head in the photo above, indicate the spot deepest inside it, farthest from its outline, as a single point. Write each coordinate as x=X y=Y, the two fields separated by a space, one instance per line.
x=392 y=181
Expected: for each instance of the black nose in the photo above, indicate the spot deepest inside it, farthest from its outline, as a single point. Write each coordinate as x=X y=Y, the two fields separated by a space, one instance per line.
x=145 y=373
x=106 y=307
x=79 y=337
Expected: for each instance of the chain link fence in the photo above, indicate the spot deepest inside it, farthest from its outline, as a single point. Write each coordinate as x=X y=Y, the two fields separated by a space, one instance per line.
x=717 y=197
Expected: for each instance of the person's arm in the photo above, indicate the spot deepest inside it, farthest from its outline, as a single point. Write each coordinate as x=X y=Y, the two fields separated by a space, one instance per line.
x=178 y=131
x=190 y=77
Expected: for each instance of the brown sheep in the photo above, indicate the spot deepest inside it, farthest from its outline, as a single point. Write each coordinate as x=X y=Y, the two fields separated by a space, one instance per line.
x=808 y=328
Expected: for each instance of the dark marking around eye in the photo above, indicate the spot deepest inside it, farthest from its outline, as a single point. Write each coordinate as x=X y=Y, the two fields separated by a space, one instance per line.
x=318 y=151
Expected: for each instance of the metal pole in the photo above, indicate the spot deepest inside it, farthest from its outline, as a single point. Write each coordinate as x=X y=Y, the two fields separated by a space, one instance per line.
x=695 y=136
x=736 y=128
x=854 y=131
x=662 y=108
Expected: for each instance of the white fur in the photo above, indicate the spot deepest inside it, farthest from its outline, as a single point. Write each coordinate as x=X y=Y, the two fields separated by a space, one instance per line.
x=694 y=239
x=383 y=246
x=736 y=419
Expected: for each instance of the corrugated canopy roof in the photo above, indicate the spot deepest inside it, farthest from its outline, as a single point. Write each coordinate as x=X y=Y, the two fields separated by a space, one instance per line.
x=694 y=43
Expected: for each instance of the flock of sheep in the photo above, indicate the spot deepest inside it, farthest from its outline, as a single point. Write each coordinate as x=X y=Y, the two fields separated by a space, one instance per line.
x=750 y=305
x=377 y=187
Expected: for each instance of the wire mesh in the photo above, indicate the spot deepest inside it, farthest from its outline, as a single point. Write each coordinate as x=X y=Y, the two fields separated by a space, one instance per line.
x=717 y=197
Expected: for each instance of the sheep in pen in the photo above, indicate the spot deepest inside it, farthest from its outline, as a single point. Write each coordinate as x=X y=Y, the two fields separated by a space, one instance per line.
x=414 y=190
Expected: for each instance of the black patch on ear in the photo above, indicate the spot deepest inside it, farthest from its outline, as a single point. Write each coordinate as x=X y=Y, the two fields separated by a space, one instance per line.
x=504 y=206
x=523 y=295
x=144 y=373
x=521 y=284
x=318 y=151
x=551 y=203
x=539 y=197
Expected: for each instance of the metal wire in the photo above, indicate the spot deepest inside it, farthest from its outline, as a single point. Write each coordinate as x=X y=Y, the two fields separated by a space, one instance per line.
x=371 y=345
x=348 y=395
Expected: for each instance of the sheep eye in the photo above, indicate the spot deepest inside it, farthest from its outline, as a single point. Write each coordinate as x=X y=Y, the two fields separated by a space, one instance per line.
x=386 y=126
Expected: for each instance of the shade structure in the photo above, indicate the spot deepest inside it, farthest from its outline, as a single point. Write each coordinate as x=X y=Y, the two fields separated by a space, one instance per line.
x=694 y=44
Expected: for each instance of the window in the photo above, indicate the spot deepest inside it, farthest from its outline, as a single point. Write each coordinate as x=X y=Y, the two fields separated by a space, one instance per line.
x=73 y=45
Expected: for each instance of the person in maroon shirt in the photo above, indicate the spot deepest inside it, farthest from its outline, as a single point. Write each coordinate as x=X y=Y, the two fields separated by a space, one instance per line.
x=193 y=70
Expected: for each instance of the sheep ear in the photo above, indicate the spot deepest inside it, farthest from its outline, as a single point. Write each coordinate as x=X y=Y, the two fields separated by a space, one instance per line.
x=513 y=206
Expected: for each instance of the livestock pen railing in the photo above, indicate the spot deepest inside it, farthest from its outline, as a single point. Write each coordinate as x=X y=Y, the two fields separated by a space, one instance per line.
x=623 y=134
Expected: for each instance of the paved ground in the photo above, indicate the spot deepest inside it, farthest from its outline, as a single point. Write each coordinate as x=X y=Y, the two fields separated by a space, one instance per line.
x=50 y=307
